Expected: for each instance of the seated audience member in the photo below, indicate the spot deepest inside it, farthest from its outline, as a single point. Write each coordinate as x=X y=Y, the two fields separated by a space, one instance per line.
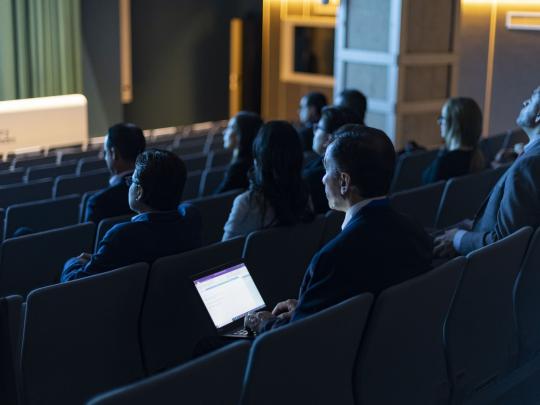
x=514 y=201
x=309 y=113
x=355 y=101
x=161 y=228
x=238 y=137
x=461 y=127
x=277 y=195
x=332 y=118
x=376 y=248
x=123 y=143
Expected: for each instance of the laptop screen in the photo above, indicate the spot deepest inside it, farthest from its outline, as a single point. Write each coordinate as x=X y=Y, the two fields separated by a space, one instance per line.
x=229 y=294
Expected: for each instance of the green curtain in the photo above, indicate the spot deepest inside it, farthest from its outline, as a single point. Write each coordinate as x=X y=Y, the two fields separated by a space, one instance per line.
x=40 y=48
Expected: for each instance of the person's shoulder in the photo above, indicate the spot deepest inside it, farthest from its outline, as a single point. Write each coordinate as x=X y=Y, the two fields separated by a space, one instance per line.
x=109 y=192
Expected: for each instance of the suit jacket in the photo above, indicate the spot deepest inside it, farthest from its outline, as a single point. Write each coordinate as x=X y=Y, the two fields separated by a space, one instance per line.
x=236 y=176
x=513 y=203
x=448 y=164
x=377 y=249
x=313 y=174
x=306 y=137
x=108 y=203
x=146 y=238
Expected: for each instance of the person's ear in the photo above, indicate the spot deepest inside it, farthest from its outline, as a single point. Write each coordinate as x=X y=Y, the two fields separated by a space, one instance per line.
x=113 y=153
x=344 y=183
x=139 y=193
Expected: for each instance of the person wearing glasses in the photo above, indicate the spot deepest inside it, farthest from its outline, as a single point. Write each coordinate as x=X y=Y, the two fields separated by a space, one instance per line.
x=461 y=127
x=160 y=228
x=332 y=118
x=123 y=143
x=309 y=112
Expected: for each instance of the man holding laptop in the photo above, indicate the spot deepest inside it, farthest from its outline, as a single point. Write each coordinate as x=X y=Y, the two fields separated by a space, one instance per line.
x=377 y=247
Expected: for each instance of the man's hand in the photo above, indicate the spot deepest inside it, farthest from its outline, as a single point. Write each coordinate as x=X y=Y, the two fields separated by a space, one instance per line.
x=444 y=245
x=285 y=307
x=84 y=257
x=254 y=321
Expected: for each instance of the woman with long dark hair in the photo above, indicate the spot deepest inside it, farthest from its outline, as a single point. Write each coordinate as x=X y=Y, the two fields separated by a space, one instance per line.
x=239 y=135
x=277 y=194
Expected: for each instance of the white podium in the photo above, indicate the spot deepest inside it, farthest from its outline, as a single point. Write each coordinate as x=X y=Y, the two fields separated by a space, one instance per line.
x=43 y=122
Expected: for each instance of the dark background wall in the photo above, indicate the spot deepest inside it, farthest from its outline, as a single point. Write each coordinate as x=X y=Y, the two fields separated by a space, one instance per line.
x=180 y=61
x=516 y=62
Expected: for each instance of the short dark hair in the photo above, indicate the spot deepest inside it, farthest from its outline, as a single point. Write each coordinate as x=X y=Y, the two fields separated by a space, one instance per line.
x=317 y=100
x=367 y=155
x=277 y=176
x=334 y=117
x=162 y=175
x=247 y=124
x=127 y=139
x=356 y=101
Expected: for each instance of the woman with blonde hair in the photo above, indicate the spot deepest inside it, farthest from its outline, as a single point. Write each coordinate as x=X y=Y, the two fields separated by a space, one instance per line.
x=461 y=127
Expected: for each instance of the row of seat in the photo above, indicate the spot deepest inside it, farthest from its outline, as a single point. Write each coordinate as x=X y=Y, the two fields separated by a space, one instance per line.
x=410 y=166
x=461 y=333
x=445 y=203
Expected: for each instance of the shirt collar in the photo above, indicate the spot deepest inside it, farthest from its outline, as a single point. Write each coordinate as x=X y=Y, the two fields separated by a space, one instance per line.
x=146 y=216
x=118 y=178
x=351 y=212
x=530 y=144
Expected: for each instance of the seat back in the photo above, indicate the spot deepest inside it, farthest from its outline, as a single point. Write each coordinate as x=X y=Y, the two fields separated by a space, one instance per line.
x=527 y=301
x=403 y=345
x=81 y=337
x=191 y=188
x=84 y=201
x=409 y=169
x=514 y=137
x=278 y=258
x=214 y=213
x=312 y=358
x=90 y=164
x=42 y=215
x=463 y=196
x=106 y=224
x=36 y=260
x=10 y=344
x=195 y=162
x=49 y=171
x=210 y=180
x=174 y=318
x=212 y=379
x=80 y=184
x=21 y=193
x=36 y=161
x=219 y=159
x=12 y=177
x=491 y=145
x=480 y=331
x=420 y=203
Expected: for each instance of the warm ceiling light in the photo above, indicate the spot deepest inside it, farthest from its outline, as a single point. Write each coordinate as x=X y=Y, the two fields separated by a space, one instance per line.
x=503 y=2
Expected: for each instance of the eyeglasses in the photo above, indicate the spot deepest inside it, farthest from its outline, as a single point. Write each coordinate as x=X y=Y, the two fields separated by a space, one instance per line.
x=129 y=181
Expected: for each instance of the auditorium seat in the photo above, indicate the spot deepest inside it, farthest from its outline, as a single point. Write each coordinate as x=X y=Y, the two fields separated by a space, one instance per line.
x=402 y=358
x=332 y=226
x=49 y=171
x=491 y=145
x=10 y=343
x=75 y=156
x=191 y=188
x=84 y=201
x=42 y=215
x=188 y=148
x=527 y=301
x=463 y=196
x=106 y=224
x=195 y=162
x=210 y=180
x=36 y=260
x=309 y=361
x=81 y=337
x=21 y=193
x=212 y=379
x=90 y=164
x=7 y=165
x=219 y=159
x=80 y=184
x=214 y=212
x=419 y=203
x=174 y=318
x=514 y=137
x=279 y=257
x=36 y=161
x=480 y=331
x=409 y=169
x=8 y=177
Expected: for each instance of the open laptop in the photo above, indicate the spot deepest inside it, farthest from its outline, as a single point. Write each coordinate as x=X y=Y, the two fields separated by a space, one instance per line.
x=229 y=293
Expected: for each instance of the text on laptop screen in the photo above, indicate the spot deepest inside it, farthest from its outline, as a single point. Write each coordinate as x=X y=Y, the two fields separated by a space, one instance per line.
x=229 y=294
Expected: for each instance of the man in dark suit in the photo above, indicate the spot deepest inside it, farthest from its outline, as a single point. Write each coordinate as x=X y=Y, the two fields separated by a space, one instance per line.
x=332 y=118
x=376 y=248
x=123 y=143
x=309 y=113
x=160 y=228
x=355 y=101
x=514 y=201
